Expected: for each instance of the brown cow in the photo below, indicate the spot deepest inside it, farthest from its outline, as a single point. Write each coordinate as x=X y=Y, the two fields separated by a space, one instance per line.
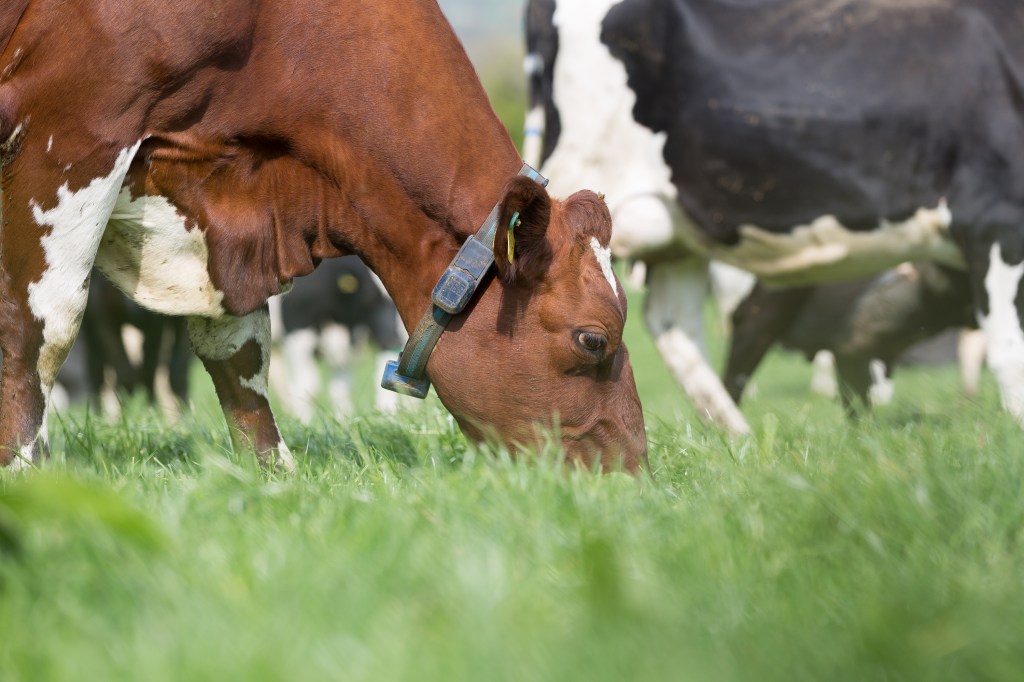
x=203 y=154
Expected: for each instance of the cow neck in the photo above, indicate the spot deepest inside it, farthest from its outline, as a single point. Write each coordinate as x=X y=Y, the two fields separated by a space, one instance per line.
x=449 y=297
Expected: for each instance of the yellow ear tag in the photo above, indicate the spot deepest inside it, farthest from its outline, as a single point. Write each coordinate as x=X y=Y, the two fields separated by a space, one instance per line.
x=512 y=225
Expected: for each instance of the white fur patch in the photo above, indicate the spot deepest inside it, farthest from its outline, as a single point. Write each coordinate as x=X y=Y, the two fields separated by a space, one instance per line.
x=604 y=259
x=150 y=253
x=826 y=250
x=1002 y=329
x=222 y=337
x=76 y=222
x=600 y=145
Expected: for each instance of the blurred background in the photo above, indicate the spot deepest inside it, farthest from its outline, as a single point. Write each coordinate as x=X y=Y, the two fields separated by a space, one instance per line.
x=492 y=31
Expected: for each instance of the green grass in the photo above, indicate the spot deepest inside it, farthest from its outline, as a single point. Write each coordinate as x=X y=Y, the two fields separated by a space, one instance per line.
x=819 y=550
x=815 y=550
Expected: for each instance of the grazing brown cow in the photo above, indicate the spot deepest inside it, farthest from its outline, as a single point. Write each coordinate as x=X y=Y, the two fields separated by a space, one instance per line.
x=203 y=154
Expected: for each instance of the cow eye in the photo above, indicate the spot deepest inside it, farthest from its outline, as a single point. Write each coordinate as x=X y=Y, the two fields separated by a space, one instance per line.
x=592 y=343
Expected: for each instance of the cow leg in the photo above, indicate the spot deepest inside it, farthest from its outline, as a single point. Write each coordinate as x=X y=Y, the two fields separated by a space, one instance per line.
x=674 y=310
x=823 y=377
x=970 y=353
x=236 y=353
x=52 y=223
x=177 y=365
x=336 y=348
x=152 y=346
x=1001 y=324
x=302 y=386
x=854 y=374
x=761 y=319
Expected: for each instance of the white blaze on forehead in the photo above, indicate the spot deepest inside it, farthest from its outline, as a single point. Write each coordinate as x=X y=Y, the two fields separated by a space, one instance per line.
x=1002 y=327
x=77 y=223
x=604 y=259
x=150 y=253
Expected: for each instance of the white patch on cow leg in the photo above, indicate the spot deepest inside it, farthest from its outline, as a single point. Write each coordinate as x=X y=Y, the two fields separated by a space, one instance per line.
x=823 y=378
x=152 y=253
x=604 y=259
x=1002 y=327
x=675 y=317
x=58 y=299
x=881 y=390
x=77 y=223
x=971 y=356
x=220 y=339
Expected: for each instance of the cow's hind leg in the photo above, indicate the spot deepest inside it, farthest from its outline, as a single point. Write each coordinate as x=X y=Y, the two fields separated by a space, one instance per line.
x=236 y=353
x=676 y=292
x=52 y=222
x=1001 y=322
x=761 y=319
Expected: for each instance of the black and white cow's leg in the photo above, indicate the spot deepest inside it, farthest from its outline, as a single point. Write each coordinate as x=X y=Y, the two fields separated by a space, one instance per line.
x=761 y=319
x=236 y=353
x=1001 y=300
x=854 y=378
x=676 y=292
x=53 y=219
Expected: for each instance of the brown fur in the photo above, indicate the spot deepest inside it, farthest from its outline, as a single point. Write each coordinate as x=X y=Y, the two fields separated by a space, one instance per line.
x=532 y=250
x=284 y=145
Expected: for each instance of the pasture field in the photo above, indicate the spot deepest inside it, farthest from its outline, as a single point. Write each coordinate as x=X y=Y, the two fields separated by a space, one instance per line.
x=891 y=549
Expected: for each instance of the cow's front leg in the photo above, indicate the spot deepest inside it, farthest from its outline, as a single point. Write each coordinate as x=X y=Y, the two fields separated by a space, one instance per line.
x=236 y=353
x=676 y=292
x=1000 y=317
x=53 y=217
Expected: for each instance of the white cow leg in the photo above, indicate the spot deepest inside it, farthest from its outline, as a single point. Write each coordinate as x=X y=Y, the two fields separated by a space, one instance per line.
x=236 y=353
x=301 y=387
x=1003 y=333
x=675 y=318
x=882 y=389
x=823 y=378
x=336 y=350
x=970 y=353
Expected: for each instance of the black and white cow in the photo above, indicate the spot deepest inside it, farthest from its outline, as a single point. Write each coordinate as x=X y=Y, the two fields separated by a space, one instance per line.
x=338 y=308
x=800 y=140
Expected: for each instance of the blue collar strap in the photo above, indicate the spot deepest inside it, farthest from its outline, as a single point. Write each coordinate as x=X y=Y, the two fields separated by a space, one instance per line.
x=408 y=375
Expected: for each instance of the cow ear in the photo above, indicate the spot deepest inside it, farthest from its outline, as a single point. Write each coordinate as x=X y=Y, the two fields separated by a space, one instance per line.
x=522 y=253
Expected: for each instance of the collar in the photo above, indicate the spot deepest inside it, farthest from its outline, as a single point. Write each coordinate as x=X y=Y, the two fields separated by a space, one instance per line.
x=408 y=375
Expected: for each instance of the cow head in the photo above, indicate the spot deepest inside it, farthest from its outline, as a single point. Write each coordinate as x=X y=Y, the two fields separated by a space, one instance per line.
x=542 y=346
